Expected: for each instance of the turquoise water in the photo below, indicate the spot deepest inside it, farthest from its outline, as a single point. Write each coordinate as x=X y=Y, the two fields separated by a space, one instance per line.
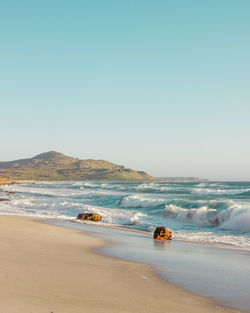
x=213 y=212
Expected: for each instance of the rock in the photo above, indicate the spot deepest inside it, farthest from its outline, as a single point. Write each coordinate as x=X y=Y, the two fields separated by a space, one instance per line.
x=10 y=192
x=1 y=199
x=162 y=233
x=89 y=216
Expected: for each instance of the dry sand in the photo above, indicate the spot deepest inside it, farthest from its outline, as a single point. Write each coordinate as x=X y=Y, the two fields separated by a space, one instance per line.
x=44 y=268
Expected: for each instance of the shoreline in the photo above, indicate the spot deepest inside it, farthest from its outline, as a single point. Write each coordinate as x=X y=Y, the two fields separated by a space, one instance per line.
x=48 y=266
x=122 y=227
x=177 y=251
x=6 y=181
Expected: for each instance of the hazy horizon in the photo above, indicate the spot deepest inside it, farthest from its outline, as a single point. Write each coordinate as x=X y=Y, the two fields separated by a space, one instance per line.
x=156 y=86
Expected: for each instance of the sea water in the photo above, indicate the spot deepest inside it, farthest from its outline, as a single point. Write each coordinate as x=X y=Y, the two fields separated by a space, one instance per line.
x=211 y=212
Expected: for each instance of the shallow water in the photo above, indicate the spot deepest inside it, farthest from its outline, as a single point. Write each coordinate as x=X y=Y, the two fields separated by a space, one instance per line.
x=222 y=274
x=212 y=212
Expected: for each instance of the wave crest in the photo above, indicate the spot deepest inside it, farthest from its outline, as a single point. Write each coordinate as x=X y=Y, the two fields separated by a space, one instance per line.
x=235 y=217
x=204 y=191
x=138 y=201
x=153 y=187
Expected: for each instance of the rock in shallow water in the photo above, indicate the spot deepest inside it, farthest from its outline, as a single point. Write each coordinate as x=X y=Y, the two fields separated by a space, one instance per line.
x=89 y=217
x=162 y=233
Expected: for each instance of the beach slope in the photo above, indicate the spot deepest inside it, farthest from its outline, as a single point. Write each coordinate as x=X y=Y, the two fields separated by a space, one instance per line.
x=44 y=268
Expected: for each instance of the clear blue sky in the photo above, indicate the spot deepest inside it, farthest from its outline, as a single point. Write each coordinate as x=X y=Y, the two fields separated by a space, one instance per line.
x=161 y=86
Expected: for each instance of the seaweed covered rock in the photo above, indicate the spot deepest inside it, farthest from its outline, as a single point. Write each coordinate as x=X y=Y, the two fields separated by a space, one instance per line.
x=89 y=217
x=162 y=233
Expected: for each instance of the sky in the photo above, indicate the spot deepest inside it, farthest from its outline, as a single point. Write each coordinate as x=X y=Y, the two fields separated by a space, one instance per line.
x=161 y=86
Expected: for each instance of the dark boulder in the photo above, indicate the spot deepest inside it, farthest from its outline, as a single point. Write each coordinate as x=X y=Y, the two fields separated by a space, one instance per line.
x=10 y=192
x=89 y=217
x=162 y=233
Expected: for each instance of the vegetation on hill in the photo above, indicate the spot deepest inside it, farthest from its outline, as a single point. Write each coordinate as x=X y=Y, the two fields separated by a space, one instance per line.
x=53 y=166
x=5 y=181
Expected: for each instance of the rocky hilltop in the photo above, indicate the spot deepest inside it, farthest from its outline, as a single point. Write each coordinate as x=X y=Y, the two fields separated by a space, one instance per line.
x=52 y=166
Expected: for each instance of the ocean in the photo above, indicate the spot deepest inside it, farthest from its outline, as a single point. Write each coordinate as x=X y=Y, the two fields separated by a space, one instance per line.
x=217 y=213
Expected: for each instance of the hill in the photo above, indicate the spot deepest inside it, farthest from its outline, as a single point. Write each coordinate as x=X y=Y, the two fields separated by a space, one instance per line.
x=55 y=166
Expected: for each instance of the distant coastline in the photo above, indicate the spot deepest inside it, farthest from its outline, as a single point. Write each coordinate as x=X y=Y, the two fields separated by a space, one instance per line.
x=184 y=179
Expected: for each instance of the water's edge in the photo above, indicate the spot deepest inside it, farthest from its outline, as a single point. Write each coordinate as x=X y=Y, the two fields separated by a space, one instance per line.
x=201 y=269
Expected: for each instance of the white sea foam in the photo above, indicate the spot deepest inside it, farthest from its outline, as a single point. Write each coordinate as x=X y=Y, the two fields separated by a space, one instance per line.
x=152 y=186
x=198 y=216
x=140 y=201
x=201 y=185
x=213 y=239
x=33 y=208
x=210 y=185
x=115 y=216
x=89 y=184
x=86 y=184
x=235 y=217
x=40 y=190
x=65 y=210
x=112 y=186
x=202 y=191
x=60 y=192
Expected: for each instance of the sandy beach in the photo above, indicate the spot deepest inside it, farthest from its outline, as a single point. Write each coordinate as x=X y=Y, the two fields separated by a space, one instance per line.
x=44 y=268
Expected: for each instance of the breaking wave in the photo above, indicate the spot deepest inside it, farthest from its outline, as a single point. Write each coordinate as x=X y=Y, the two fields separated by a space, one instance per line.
x=138 y=201
x=212 y=212
x=235 y=217
x=204 y=191
x=152 y=187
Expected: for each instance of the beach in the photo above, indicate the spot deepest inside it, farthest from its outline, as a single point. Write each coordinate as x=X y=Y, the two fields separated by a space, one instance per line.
x=44 y=268
x=124 y=166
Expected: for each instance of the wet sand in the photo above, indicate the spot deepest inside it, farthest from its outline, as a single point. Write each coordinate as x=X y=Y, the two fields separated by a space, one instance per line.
x=221 y=273
x=44 y=268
